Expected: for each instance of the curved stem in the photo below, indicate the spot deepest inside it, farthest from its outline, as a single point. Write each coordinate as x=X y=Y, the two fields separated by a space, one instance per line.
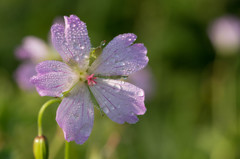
x=41 y=111
x=67 y=144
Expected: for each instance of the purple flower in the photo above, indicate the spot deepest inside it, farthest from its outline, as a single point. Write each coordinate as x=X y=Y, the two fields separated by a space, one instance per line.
x=31 y=52
x=224 y=33
x=23 y=74
x=33 y=49
x=77 y=79
x=144 y=79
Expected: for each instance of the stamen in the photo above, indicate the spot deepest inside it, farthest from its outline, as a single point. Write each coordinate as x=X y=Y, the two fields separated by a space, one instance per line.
x=91 y=79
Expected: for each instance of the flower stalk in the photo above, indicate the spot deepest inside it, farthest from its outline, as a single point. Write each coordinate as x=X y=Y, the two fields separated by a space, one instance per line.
x=67 y=144
x=41 y=111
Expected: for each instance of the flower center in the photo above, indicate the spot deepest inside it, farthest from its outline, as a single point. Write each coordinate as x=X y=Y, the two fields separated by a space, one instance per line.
x=90 y=80
x=82 y=76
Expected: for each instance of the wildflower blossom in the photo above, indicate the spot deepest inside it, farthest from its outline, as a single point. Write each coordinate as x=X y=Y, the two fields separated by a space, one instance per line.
x=32 y=51
x=77 y=78
x=144 y=79
x=224 y=33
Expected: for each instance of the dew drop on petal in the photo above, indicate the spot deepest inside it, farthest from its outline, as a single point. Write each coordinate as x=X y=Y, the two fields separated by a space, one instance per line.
x=112 y=108
x=121 y=64
x=117 y=88
x=76 y=58
x=73 y=25
x=85 y=130
x=76 y=46
x=105 y=109
x=105 y=102
x=140 y=93
x=85 y=56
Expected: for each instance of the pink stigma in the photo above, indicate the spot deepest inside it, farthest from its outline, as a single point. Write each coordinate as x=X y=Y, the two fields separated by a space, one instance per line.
x=90 y=80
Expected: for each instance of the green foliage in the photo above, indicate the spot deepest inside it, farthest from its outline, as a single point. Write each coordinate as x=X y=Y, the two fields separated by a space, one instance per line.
x=194 y=113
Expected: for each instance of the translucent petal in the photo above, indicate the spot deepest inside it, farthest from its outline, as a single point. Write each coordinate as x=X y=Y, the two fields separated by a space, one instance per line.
x=78 y=41
x=52 y=66
x=32 y=48
x=72 y=41
x=75 y=115
x=59 y=42
x=53 y=78
x=144 y=79
x=120 y=57
x=121 y=101
x=23 y=75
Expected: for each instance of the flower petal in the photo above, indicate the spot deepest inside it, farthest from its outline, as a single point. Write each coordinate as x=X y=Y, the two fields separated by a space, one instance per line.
x=52 y=66
x=78 y=41
x=72 y=41
x=119 y=57
x=32 y=48
x=53 y=78
x=121 y=101
x=59 y=42
x=23 y=75
x=144 y=79
x=75 y=115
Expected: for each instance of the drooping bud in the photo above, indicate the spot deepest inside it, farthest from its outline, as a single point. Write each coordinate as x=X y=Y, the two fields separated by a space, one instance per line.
x=40 y=147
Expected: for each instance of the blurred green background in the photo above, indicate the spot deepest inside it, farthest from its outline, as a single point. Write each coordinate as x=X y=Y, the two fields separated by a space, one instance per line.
x=195 y=111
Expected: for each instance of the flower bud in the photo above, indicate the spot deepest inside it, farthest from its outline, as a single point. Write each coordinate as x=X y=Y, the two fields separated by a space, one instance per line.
x=40 y=147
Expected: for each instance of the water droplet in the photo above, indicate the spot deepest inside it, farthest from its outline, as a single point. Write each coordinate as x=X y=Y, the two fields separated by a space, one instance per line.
x=105 y=109
x=122 y=82
x=120 y=64
x=73 y=25
x=103 y=43
x=140 y=93
x=65 y=43
x=85 y=129
x=76 y=58
x=82 y=47
x=112 y=107
x=76 y=46
x=123 y=78
x=76 y=115
x=117 y=88
x=86 y=56
x=105 y=102
x=113 y=61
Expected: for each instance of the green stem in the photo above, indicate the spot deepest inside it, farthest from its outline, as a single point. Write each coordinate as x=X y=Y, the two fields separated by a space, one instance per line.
x=41 y=111
x=67 y=144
